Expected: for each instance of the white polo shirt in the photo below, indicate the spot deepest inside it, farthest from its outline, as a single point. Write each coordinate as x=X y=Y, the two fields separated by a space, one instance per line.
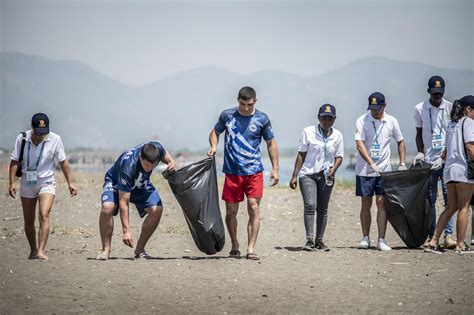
x=440 y=119
x=312 y=142
x=53 y=151
x=386 y=128
x=456 y=165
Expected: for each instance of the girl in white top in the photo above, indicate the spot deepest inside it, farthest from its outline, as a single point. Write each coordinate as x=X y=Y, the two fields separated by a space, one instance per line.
x=41 y=149
x=320 y=153
x=459 y=143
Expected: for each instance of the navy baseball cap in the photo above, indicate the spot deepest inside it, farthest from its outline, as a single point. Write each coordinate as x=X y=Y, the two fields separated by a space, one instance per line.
x=40 y=123
x=376 y=101
x=467 y=100
x=327 y=110
x=436 y=84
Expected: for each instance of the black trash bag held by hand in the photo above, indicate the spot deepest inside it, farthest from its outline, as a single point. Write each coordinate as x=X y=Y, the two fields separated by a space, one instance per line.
x=407 y=203
x=195 y=188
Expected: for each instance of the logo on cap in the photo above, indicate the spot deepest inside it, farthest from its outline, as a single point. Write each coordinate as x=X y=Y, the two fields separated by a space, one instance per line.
x=41 y=124
x=373 y=101
x=437 y=84
x=328 y=109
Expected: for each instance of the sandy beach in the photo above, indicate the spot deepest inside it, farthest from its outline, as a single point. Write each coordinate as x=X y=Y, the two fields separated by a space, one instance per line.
x=181 y=279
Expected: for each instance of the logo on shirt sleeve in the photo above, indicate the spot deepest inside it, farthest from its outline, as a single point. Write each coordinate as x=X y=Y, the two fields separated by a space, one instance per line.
x=124 y=181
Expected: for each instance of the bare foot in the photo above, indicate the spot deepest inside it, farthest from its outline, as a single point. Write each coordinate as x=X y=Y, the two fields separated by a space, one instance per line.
x=103 y=255
x=33 y=254
x=42 y=257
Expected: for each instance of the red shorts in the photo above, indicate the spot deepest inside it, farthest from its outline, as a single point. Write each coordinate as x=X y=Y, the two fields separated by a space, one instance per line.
x=235 y=186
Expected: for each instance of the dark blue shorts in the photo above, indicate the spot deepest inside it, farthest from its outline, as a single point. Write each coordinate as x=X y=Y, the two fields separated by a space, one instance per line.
x=141 y=198
x=368 y=186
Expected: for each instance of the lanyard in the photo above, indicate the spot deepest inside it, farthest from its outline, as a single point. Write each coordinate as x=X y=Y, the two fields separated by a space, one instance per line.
x=325 y=140
x=440 y=120
x=377 y=132
x=28 y=156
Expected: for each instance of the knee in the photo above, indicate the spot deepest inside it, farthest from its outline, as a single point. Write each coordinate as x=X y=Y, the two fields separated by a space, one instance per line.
x=309 y=208
x=253 y=210
x=44 y=217
x=154 y=212
x=107 y=210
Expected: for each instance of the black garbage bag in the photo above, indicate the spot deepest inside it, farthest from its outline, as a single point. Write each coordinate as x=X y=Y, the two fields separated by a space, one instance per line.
x=195 y=188
x=407 y=203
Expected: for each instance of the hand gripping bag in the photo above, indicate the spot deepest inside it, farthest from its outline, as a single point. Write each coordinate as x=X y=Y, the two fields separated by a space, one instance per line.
x=195 y=188
x=407 y=203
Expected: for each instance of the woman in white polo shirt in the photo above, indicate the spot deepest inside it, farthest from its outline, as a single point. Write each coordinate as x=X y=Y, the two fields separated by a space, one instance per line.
x=41 y=149
x=459 y=148
x=320 y=153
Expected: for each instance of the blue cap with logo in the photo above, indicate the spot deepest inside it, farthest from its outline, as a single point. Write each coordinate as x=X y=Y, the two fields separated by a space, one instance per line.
x=467 y=100
x=327 y=110
x=436 y=85
x=376 y=101
x=40 y=123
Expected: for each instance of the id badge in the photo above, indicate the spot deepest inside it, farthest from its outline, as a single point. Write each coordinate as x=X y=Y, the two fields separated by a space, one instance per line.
x=436 y=142
x=375 y=152
x=31 y=177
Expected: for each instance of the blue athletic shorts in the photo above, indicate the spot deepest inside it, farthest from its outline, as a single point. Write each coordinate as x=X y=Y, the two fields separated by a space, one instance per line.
x=368 y=186
x=141 y=198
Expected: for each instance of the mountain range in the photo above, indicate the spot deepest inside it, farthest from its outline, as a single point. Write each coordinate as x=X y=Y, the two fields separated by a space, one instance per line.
x=91 y=110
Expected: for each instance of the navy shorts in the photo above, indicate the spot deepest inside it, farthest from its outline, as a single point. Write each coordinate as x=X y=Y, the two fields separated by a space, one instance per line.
x=368 y=186
x=141 y=198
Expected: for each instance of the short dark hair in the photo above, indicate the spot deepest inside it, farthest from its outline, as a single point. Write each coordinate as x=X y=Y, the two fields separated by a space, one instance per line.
x=150 y=153
x=247 y=93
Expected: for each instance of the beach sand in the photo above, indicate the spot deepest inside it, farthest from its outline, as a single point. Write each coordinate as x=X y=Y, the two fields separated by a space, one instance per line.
x=181 y=279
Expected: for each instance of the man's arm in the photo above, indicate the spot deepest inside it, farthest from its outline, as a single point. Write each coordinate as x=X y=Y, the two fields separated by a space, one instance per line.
x=213 y=141
x=419 y=140
x=167 y=159
x=66 y=169
x=12 y=175
x=363 y=152
x=402 y=151
x=300 y=156
x=273 y=153
x=124 y=201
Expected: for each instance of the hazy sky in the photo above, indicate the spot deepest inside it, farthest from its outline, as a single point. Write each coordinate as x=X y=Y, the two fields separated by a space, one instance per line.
x=142 y=41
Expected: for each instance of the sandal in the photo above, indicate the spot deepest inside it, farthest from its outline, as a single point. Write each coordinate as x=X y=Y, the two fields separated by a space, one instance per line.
x=235 y=253
x=465 y=250
x=102 y=256
x=143 y=255
x=433 y=249
x=252 y=256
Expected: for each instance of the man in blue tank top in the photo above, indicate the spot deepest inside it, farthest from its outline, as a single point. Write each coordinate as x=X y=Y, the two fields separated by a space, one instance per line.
x=128 y=180
x=244 y=128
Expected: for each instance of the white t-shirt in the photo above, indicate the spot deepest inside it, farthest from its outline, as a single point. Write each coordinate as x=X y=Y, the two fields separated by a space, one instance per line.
x=53 y=151
x=440 y=119
x=455 y=168
x=312 y=142
x=366 y=129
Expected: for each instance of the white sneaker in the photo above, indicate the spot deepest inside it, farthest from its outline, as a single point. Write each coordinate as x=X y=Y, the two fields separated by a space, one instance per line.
x=364 y=243
x=472 y=240
x=382 y=245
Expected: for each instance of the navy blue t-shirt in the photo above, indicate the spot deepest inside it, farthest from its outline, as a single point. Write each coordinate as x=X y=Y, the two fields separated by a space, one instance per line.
x=127 y=172
x=243 y=135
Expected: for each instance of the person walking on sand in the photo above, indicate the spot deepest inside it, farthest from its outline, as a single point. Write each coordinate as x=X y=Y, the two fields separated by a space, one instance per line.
x=431 y=121
x=34 y=153
x=372 y=136
x=128 y=180
x=245 y=126
x=459 y=150
x=320 y=154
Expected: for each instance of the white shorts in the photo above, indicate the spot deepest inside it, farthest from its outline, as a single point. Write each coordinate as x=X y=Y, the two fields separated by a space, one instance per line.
x=44 y=185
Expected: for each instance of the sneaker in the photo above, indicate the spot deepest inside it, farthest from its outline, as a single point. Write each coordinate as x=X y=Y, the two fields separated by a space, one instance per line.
x=472 y=240
x=364 y=243
x=309 y=246
x=319 y=245
x=434 y=249
x=465 y=250
x=382 y=245
x=449 y=242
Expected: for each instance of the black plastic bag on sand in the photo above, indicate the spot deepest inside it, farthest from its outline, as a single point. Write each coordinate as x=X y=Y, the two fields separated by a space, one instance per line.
x=407 y=203
x=195 y=188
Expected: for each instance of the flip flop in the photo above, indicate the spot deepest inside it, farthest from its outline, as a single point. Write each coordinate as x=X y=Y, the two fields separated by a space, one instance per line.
x=252 y=256
x=235 y=253
x=143 y=255
x=101 y=256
